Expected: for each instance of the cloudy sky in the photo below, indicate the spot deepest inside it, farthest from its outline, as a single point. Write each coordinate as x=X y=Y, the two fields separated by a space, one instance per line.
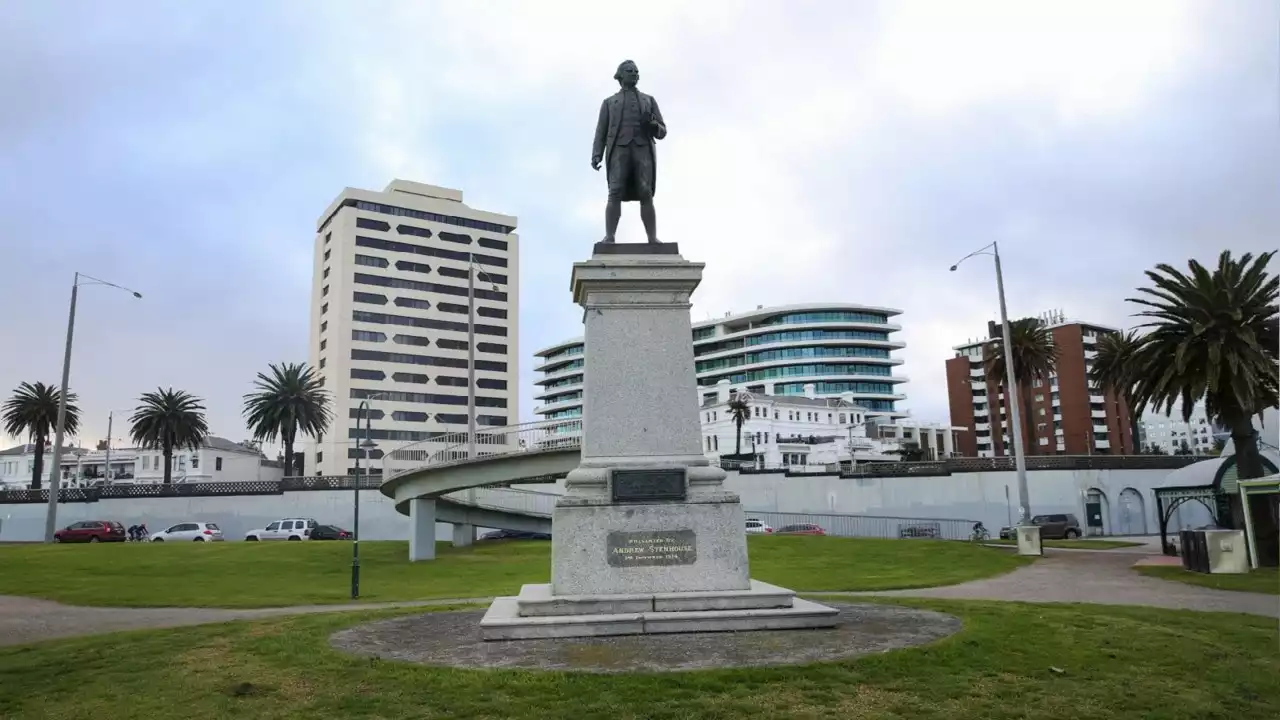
x=843 y=151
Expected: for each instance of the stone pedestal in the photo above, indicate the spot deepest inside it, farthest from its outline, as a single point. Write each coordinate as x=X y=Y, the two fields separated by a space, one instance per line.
x=645 y=538
x=1029 y=540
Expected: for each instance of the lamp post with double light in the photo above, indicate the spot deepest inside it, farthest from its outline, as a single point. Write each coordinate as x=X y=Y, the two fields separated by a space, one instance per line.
x=1011 y=384
x=362 y=448
x=55 y=480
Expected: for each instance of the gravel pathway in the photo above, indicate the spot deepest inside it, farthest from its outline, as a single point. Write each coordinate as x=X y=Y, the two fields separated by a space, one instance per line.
x=1104 y=577
x=453 y=639
x=25 y=620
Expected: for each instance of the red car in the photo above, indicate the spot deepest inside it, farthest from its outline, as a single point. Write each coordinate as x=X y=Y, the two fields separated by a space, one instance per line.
x=802 y=529
x=91 y=531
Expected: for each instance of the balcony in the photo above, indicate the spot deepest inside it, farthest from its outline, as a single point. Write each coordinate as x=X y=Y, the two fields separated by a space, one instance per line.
x=1098 y=414
x=982 y=427
x=1100 y=430
x=1097 y=399
x=1102 y=444
x=1057 y=417
x=1090 y=354
x=1090 y=340
x=977 y=372
x=983 y=412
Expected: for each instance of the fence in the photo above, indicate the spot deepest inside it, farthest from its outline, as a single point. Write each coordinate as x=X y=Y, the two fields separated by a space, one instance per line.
x=514 y=439
x=872 y=526
x=953 y=466
x=524 y=502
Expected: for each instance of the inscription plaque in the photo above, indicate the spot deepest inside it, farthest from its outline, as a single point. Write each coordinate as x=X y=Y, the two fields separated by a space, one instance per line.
x=641 y=485
x=640 y=549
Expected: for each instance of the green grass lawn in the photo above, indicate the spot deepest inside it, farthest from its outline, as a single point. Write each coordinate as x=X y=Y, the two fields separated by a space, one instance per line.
x=1075 y=544
x=1262 y=580
x=1012 y=660
x=266 y=574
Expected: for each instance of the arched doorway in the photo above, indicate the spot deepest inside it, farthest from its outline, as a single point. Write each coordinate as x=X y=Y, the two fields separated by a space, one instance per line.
x=1133 y=513
x=1097 y=512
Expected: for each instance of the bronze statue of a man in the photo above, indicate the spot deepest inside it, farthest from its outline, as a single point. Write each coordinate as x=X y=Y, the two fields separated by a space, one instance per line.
x=630 y=125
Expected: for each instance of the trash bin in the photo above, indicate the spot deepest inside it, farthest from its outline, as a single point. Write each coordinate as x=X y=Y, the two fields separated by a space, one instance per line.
x=1195 y=551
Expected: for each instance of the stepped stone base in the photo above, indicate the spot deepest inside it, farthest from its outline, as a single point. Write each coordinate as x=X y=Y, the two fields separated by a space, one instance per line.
x=536 y=613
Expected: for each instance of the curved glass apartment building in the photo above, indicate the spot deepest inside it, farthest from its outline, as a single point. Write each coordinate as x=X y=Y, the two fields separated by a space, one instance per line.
x=836 y=347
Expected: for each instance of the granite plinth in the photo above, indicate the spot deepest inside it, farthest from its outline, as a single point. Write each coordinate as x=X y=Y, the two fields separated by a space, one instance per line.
x=628 y=549
x=646 y=248
x=503 y=621
x=538 y=601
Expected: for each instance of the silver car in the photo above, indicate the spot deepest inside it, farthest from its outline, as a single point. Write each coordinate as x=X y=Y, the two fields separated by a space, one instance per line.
x=189 y=532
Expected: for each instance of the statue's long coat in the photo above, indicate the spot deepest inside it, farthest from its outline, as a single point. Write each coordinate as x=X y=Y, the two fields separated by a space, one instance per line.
x=607 y=131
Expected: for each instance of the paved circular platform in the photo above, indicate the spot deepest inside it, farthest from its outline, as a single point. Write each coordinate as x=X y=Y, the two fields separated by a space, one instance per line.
x=453 y=639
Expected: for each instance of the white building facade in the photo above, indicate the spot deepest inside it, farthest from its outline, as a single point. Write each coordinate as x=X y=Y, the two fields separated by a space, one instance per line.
x=839 y=348
x=219 y=460
x=811 y=432
x=392 y=319
x=1169 y=432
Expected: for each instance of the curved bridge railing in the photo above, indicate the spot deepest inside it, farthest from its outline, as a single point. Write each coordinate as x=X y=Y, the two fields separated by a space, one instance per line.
x=452 y=448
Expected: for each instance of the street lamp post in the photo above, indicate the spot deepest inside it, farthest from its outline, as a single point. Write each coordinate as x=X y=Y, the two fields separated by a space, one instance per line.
x=363 y=448
x=1011 y=385
x=55 y=480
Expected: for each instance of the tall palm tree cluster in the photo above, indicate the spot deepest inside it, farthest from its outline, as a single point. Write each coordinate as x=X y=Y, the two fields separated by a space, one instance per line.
x=1209 y=334
x=287 y=401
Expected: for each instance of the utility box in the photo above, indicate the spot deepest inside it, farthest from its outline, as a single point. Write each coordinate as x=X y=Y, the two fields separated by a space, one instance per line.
x=1226 y=552
x=1029 y=540
x=1195 y=554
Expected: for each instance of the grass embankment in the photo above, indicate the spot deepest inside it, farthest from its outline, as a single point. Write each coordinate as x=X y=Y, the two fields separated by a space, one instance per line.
x=1074 y=544
x=1262 y=580
x=239 y=574
x=1011 y=661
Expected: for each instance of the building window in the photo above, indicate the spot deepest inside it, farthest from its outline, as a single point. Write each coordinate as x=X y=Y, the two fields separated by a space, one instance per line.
x=371 y=261
x=495 y=348
x=326 y=273
x=411 y=340
x=448 y=344
x=491 y=384
x=322 y=363
x=324 y=308
x=715 y=443
x=454 y=237
x=324 y=344
x=217 y=462
x=324 y=326
x=491 y=312
x=326 y=255
x=362 y=374
x=367 y=336
x=416 y=378
x=492 y=244
x=370 y=224
x=408 y=359
x=408 y=266
x=324 y=291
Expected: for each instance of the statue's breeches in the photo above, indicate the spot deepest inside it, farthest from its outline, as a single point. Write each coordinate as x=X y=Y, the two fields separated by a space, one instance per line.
x=631 y=172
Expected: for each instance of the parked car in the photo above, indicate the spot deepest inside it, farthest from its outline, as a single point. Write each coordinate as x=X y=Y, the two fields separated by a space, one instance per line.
x=757 y=527
x=287 y=529
x=1052 y=527
x=329 y=532
x=189 y=532
x=514 y=535
x=801 y=529
x=91 y=531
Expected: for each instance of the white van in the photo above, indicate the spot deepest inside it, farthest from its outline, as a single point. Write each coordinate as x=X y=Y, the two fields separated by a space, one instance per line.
x=287 y=529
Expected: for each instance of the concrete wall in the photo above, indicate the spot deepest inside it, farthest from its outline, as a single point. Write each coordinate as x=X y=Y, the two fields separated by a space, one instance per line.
x=236 y=515
x=969 y=496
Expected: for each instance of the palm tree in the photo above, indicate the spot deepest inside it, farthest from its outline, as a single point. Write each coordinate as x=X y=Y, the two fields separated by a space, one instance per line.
x=292 y=398
x=167 y=420
x=1213 y=335
x=1034 y=358
x=739 y=410
x=1115 y=369
x=33 y=412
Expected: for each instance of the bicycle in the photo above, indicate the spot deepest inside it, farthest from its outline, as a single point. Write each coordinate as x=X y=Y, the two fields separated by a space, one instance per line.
x=980 y=533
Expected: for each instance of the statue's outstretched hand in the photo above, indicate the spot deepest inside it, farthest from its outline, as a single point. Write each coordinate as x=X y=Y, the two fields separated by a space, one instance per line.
x=595 y=163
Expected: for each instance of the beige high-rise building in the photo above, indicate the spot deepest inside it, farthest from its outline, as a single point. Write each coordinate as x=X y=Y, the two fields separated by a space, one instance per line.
x=390 y=313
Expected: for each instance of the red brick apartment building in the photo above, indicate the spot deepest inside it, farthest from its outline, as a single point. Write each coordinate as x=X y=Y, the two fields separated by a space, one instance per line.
x=1069 y=416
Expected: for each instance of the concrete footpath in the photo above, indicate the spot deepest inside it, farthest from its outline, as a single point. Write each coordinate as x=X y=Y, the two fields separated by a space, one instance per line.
x=1102 y=577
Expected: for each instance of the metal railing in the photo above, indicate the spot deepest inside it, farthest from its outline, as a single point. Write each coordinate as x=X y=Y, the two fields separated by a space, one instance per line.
x=522 y=502
x=872 y=526
x=510 y=440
